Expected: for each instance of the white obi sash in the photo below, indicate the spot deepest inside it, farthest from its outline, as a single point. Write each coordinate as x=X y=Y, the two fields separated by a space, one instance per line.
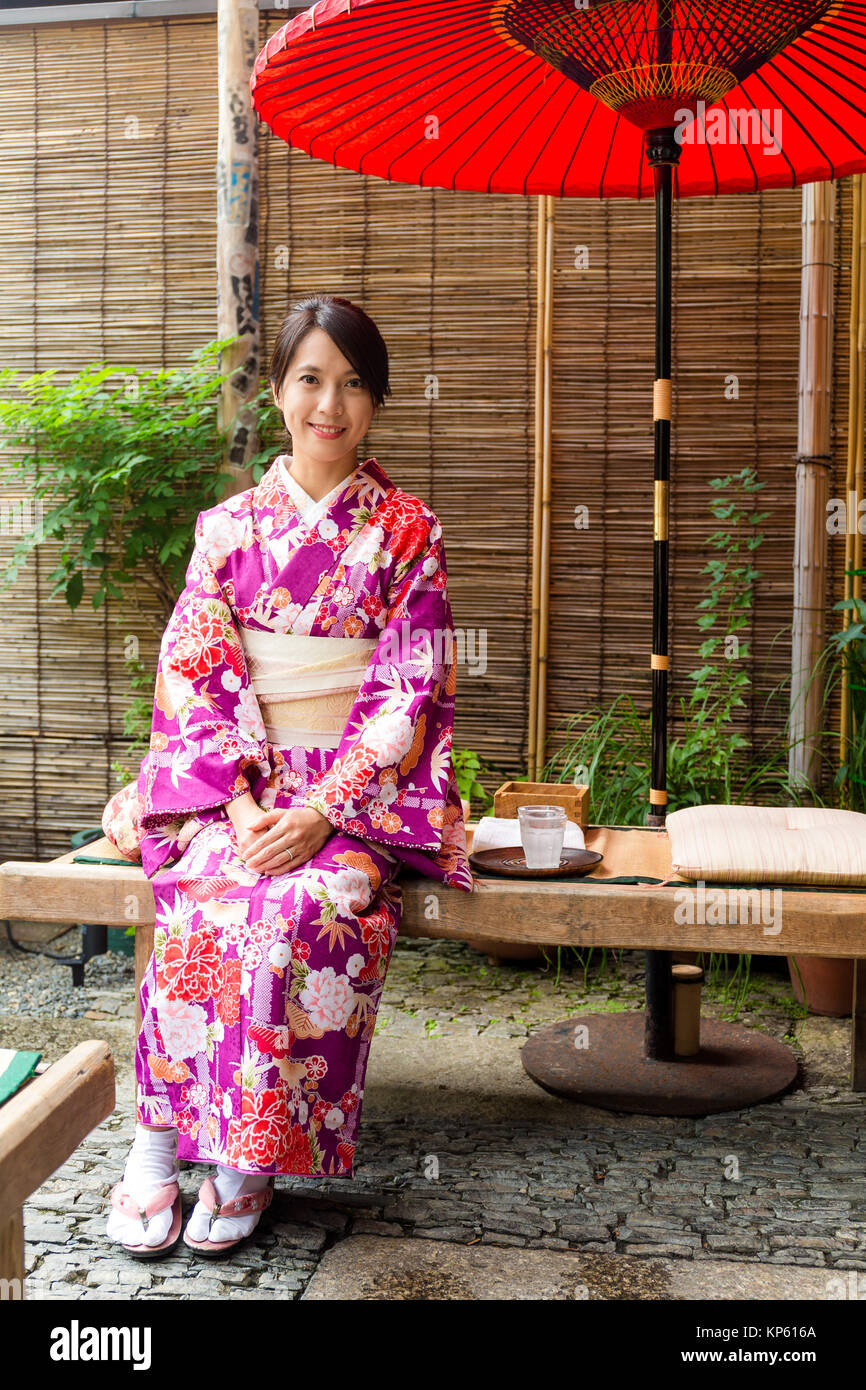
x=305 y=686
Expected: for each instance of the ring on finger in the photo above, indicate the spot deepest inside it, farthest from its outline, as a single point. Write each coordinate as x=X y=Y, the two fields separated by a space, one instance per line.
x=287 y=851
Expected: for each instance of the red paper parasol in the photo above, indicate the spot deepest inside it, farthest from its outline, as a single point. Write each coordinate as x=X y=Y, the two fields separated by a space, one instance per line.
x=518 y=92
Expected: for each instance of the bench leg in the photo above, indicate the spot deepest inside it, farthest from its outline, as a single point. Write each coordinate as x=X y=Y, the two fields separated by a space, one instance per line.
x=858 y=1028
x=12 y=1254
x=659 y=1025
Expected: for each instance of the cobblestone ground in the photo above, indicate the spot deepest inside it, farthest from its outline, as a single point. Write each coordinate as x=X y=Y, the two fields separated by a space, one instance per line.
x=781 y=1183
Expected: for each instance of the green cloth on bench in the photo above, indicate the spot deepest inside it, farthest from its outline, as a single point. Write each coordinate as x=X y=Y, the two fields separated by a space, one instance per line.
x=91 y=859
x=15 y=1069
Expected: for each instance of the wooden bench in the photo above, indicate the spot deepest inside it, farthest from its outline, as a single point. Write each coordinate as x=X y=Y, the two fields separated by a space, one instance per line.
x=565 y=912
x=40 y=1126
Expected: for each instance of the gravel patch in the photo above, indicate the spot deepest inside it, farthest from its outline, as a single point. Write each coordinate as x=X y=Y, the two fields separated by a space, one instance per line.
x=34 y=985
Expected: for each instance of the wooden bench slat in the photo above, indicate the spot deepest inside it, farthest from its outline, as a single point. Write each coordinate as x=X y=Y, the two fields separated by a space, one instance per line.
x=554 y=912
x=46 y=1121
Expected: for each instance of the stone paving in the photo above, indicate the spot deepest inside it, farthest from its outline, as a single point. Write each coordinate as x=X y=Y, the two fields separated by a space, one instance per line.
x=458 y=1146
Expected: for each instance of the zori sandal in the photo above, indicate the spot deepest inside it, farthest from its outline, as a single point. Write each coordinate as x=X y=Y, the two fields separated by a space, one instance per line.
x=169 y=1196
x=237 y=1206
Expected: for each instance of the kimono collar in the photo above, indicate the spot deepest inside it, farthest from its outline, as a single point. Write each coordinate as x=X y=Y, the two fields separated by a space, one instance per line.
x=308 y=506
x=366 y=486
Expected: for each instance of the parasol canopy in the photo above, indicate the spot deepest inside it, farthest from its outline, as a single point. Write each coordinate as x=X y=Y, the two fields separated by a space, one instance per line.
x=549 y=97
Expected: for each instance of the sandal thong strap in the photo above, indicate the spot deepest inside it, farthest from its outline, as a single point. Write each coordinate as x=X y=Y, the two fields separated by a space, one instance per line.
x=237 y=1206
x=123 y=1200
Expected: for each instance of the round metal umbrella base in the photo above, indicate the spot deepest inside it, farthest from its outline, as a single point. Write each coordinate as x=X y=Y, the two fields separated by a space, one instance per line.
x=605 y=1065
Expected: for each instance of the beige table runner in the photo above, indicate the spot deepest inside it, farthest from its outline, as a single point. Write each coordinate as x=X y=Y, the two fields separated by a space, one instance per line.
x=632 y=853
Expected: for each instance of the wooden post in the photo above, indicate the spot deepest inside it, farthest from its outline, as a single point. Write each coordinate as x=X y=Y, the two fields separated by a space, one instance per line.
x=853 y=422
x=546 y=461
x=858 y=1028
x=531 y=759
x=687 y=980
x=537 y=722
x=237 y=234
x=860 y=384
x=813 y=464
x=12 y=1251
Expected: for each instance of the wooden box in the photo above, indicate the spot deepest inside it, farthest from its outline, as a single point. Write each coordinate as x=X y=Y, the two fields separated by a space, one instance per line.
x=573 y=800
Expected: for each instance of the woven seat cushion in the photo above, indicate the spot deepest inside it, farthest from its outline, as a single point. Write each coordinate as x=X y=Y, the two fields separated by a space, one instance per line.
x=761 y=844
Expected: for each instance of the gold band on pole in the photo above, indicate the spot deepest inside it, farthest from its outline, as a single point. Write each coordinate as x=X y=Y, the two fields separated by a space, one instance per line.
x=658 y=798
x=662 y=399
x=659 y=663
x=660 y=510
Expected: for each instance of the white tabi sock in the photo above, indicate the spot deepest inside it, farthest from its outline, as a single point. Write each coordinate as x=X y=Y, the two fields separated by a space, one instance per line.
x=229 y=1183
x=152 y=1160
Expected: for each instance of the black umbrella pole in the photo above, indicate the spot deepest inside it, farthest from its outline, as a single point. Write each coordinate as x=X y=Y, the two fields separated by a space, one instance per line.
x=661 y=478
x=662 y=152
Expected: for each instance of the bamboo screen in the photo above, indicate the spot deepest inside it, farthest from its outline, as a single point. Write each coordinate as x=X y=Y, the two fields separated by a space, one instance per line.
x=108 y=147
x=737 y=269
x=449 y=279
x=127 y=140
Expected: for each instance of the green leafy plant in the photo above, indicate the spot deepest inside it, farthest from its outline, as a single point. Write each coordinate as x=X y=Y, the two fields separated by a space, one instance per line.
x=720 y=685
x=119 y=461
x=730 y=986
x=848 y=648
x=137 y=718
x=585 y=961
x=468 y=767
x=610 y=750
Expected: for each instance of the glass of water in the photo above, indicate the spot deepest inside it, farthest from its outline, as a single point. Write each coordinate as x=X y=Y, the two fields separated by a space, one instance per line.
x=542 y=832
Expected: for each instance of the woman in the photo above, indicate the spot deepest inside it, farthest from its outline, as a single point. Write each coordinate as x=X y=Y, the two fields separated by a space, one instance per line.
x=300 y=753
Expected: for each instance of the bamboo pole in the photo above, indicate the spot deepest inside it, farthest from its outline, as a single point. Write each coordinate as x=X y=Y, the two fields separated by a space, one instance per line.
x=814 y=459
x=861 y=387
x=540 y=313
x=237 y=235
x=857 y=585
x=544 y=536
x=851 y=492
x=541 y=490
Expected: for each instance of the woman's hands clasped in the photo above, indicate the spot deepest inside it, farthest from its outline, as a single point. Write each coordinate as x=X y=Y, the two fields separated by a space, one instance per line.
x=265 y=838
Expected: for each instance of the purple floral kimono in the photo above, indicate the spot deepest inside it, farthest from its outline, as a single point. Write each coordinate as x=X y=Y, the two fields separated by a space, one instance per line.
x=260 y=999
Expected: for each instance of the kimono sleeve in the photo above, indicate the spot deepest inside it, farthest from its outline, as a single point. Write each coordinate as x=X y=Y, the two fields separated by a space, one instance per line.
x=207 y=730
x=391 y=779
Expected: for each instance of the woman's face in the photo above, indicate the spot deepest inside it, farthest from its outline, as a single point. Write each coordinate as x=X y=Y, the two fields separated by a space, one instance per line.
x=321 y=387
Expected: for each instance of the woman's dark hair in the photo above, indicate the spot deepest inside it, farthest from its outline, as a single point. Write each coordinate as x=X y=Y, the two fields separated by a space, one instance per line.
x=353 y=331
